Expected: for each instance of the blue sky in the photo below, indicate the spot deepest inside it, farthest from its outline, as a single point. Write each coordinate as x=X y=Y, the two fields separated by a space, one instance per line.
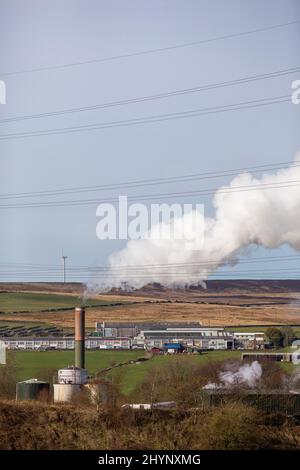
x=36 y=34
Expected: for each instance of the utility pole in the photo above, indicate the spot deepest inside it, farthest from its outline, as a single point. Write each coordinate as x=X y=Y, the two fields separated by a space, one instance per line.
x=64 y=266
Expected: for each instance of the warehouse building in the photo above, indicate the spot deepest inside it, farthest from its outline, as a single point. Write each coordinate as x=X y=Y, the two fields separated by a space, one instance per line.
x=41 y=344
x=202 y=338
x=132 y=329
x=151 y=337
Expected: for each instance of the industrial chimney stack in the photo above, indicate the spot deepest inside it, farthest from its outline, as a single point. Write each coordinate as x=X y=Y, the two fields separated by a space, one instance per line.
x=72 y=379
x=79 y=337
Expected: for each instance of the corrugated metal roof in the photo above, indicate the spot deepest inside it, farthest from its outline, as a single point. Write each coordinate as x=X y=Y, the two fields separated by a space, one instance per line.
x=33 y=381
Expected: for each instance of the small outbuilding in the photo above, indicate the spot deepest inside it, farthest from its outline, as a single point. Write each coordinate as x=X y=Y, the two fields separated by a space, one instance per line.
x=32 y=389
x=174 y=348
x=296 y=344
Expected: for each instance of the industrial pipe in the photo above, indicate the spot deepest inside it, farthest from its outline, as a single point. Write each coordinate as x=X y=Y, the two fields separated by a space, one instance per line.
x=79 y=337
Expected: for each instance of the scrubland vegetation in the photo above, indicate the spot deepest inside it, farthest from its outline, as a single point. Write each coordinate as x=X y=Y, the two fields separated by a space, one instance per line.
x=106 y=425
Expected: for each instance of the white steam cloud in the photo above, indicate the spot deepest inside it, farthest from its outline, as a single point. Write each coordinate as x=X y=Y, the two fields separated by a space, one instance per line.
x=264 y=217
x=248 y=374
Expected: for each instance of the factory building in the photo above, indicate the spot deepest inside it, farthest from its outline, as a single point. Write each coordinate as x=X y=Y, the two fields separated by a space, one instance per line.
x=41 y=344
x=202 y=338
x=249 y=340
x=124 y=335
x=132 y=329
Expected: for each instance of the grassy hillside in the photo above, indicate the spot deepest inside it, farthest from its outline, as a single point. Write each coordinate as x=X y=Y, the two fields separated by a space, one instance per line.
x=225 y=303
x=44 y=365
x=134 y=374
x=32 y=364
x=34 y=302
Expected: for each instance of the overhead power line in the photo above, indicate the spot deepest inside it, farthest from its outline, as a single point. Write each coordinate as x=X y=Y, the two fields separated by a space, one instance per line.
x=151 y=51
x=163 y=275
x=123 y=269
x=157 y=96
x=151 y=119
x=154 y=181
x=163 y=270
x=145 y=197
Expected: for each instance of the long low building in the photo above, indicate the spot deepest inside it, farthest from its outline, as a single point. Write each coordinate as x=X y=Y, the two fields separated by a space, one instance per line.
x=40 y=344
x=148 y=338
x=145 y=340
x=271 y=356
x=202 y=338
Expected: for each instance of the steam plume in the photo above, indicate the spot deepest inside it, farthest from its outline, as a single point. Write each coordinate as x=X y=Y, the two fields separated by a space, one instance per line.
x=262 y=217
x=248 y=374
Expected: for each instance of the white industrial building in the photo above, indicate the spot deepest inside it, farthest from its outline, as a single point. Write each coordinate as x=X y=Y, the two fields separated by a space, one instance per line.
x=202 y=338
x=132 y=329
x=40 y=344
x=249 y=340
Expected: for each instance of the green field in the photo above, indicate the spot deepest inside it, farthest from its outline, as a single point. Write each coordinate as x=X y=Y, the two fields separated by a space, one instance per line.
x=33 y=364
x=12 y=302
x=134 y=374
x=43 y=365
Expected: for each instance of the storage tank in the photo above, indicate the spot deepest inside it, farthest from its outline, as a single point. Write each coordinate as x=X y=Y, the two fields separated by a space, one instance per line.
x=72 y=375
x=65 y=392
x=70 y=381
x=32 y=389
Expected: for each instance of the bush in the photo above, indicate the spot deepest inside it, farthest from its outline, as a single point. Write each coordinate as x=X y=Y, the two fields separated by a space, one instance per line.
x=234 y=426
x=8 y=377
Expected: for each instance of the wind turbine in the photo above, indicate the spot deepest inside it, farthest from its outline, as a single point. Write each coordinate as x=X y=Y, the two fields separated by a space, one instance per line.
x=63 y=258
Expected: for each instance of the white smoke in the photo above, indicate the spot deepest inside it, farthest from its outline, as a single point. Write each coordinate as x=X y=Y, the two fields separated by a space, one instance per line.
x=264 y=217
x=248 y=374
